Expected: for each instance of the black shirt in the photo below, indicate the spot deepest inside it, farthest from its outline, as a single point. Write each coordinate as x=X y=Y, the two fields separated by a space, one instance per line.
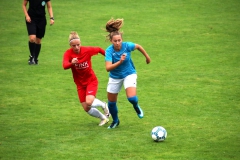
x=37 y=8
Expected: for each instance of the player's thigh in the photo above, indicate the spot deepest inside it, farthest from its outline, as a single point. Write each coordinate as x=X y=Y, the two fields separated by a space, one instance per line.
x=90 y=99
x=114 y=85
x=81 y=93
x=92 y=88
x=113 y=88
x=91 y=91
x=130 y=81
x=131 y=91
x=130 y=85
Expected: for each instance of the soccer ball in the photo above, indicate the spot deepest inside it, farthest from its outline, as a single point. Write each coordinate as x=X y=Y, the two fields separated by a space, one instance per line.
x=159 y=134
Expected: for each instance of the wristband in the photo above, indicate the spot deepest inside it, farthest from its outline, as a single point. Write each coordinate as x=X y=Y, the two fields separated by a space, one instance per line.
x=52 y=18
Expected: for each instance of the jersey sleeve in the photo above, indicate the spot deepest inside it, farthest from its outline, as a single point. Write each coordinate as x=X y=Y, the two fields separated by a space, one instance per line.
x=101 y=51
x=131 y=46
x=108 y=54
x=95 y=50
x=66 y=61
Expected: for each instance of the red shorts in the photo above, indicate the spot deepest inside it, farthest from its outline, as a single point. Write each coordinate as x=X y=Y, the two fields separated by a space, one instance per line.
x=90 y=89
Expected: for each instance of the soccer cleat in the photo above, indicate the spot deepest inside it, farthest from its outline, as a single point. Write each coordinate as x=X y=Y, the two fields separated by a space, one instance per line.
x=114 y=125
x=104 y=121
x=31 y=60
x=139 y=111
x=36 y=61
x=106 y=111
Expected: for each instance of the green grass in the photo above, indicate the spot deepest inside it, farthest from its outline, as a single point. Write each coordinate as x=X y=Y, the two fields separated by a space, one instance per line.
x=191 y=87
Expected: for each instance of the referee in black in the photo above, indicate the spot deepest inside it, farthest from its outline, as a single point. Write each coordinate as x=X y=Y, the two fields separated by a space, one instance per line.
x=36 y=23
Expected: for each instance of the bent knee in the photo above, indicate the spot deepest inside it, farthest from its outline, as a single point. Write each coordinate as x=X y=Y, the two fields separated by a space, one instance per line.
x=89 y=103
x=32 y=38
x=86 y=109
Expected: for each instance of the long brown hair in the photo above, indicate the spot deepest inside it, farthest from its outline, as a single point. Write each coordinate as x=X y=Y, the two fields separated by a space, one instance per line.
x=113 y=26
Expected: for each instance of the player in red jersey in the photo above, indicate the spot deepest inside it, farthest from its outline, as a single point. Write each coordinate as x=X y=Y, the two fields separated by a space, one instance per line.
x=78 y=58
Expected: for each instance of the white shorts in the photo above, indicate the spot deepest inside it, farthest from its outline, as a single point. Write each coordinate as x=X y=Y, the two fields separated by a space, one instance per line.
x=115 y=85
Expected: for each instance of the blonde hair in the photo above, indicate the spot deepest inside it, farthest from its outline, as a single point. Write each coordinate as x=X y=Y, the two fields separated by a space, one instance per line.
x=73 y=35
x=113 y=26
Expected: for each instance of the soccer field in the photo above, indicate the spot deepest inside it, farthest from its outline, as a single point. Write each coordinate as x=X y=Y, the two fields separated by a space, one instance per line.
x=191 y=87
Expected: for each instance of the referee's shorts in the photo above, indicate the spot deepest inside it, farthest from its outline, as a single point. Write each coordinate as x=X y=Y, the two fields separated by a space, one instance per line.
x=37 y=27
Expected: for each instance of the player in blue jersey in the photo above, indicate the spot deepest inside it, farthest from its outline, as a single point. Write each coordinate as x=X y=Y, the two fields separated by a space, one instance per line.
x=122 y=71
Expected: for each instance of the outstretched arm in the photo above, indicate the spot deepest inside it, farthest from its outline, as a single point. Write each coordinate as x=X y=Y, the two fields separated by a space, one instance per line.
x=101 y=51
x=142 y=50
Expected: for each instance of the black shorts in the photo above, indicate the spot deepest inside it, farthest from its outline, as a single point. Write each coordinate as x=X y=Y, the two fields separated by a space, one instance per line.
x=37 y=27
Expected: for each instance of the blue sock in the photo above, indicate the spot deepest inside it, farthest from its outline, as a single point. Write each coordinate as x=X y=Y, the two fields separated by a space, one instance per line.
x=134 y=101
x=112 y=106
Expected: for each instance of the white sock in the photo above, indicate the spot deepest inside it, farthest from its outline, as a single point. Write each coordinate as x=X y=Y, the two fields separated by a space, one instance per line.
x=98 y=103
x=96 y=113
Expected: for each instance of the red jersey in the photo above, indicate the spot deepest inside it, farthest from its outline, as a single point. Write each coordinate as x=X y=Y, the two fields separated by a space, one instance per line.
x=82 y=71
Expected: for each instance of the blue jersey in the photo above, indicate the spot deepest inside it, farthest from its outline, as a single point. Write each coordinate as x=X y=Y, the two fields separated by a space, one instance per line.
x=127 y=67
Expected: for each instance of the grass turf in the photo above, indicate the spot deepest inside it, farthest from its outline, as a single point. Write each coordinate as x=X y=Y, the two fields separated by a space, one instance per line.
x=191 y=87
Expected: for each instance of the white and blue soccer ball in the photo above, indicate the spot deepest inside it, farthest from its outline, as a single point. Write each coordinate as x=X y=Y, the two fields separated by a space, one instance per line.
x=159 y=134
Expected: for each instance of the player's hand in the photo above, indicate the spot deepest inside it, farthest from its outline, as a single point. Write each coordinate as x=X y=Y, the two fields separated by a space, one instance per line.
x=28 y=19
x=148 y=59
x=51 y=22
x=123 y=57
x=74 y=60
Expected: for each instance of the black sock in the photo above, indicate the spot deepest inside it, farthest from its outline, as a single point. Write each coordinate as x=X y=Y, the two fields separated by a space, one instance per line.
x=37 y=51
x=31 y=48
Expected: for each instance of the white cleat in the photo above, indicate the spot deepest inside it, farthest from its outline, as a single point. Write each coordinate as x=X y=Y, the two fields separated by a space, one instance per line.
x=104 y=121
